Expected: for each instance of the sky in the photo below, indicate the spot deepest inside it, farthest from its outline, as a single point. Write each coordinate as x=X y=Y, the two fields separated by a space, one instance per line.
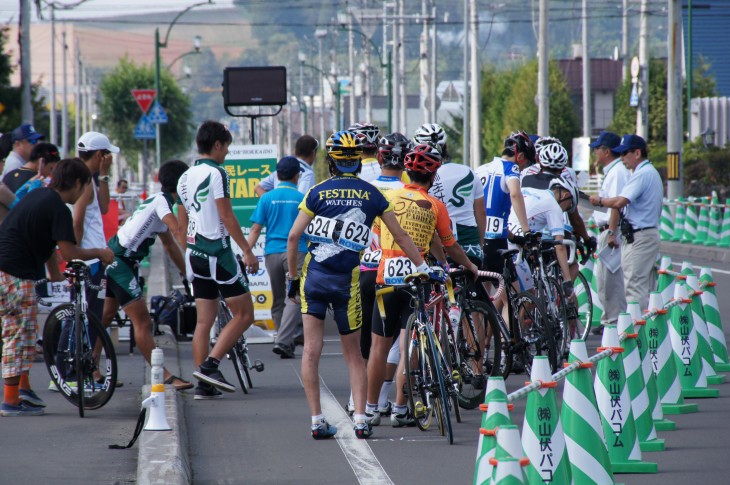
x=9 y=9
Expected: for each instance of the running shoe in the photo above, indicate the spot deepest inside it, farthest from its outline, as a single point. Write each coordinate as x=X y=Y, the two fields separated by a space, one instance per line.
x=214 y=377
x=400 y=420
x=29 y=396
x=364 y=430
x=323 y=430
x=386 y=410
x=373 y=419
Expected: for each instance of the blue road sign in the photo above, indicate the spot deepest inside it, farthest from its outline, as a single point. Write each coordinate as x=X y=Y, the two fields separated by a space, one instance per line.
x=157 y=114
x=634 y=100
x=145 y=130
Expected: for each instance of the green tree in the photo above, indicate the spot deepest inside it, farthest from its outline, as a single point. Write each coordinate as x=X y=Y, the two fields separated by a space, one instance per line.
x=119 y=112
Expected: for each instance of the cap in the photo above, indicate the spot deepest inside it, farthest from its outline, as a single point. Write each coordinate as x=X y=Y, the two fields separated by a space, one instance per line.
x=606 y=139
x=288 y=167
x=92 y=141
x=630 y=142
x=26 y=132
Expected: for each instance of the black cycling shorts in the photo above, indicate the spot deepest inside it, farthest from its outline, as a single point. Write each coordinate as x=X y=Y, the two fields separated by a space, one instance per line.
x=493 y=261
x=398 y=308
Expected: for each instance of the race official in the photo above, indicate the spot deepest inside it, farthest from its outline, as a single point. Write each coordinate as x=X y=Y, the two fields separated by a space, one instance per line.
x=640 y=202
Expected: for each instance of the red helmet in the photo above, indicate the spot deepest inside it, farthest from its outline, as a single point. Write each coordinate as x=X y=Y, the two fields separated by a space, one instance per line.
x=424 y=158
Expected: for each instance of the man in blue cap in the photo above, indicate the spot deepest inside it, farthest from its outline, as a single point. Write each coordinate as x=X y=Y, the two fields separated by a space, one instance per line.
x=615 y=175
x=277 y=211
x=640 y=203
x=24 y=137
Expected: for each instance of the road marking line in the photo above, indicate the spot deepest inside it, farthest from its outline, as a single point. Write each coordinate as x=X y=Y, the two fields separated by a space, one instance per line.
x=714 y=270
x=359 y=455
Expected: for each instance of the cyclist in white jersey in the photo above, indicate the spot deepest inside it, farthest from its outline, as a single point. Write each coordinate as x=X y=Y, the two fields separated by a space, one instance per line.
x=369 y=134
x=211 y=266
x=461 y=192
x=131 y=245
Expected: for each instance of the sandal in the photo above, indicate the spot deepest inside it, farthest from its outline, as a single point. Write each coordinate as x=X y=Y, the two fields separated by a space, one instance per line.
x=179 y=387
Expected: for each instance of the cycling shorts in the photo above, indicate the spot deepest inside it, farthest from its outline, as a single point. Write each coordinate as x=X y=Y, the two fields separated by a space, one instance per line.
x=493 y=261
x=468 y=239
x=338 y=291
x=210 y=290
x=397 y=311
x=122 y=281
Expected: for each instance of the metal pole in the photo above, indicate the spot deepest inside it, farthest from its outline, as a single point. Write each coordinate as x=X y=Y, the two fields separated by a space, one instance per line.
x=690 y=64
x=475 y=111
x=423 y=65
x=54 y=121
x=543 y=88
x=301 y=102
x=625 y=41
x=77 y=94
x=432 y=94
x=351 y=66
x=674 y=101
x=92 y=106
x=367 y=82
x=465 y=104
x=64 y=113
x=321 y=94
x=396 y=79
x=389 y=73
x=26 y=97
x=402 y=68
x=587 y=104
x=84 y=102
x=642 y=122
x=158 y=141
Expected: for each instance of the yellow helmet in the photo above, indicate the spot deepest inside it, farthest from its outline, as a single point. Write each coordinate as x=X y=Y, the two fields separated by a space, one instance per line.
x=345 y=150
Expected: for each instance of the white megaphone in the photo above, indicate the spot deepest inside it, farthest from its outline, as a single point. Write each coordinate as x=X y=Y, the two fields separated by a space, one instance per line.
x=157 y=420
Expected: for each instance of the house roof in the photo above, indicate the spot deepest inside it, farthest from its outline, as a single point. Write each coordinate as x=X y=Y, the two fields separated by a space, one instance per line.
x=605 y=74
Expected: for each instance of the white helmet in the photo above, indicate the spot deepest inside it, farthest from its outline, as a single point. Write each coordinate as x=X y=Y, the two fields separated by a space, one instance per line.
x=567 y=185
x=432 y=134
x=551 y=153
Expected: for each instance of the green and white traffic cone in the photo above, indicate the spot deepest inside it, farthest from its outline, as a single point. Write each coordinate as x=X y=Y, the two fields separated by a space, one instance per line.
x=685 y=346
x=508 y=464
x=542 y=432
x=664 y=365
x=592 y=227
x=657 y=415
x=665 y=222
x=703 y=226
x=589 y=272
x=725 y=232
x=495 y=415
x=714 y=322
x=703 y=335
x=495 y=389
x=686 y=268
x=584 y=438
x=715 y=227
x=665 y=282
x=679 y=218
x=645 y=430
x=690 y=223
x=614 y=405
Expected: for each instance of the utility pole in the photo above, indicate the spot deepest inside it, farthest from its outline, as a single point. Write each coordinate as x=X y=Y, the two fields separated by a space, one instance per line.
x=674 y=101
x=84 y=102
x=351 y=66
x=393 y=92
x=26 y=100
x=642 y=118
x=64 y=112
x=423 y=64
x=690 y=64
x=587 y=105
x=402 y=67
x=77 y=93
x=321 y=34
x=543 y=87
x=465 y=104
x=54 y=129
x=475 y=111
x=434 y=56
x=625 y=40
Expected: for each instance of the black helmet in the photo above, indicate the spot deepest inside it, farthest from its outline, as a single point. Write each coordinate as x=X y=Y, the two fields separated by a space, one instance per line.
x=393 y=149
x=519 y=142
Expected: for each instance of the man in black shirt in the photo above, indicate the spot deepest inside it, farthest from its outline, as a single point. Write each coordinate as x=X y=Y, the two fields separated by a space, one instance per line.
x=28 y=238
x=42 y=160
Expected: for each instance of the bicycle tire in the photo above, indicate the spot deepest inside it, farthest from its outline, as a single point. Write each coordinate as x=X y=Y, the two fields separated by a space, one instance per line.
x=562 y=331
x=538 y=341
x=584 y=306
x=238 y=360
x=415 y=377
x=79 y=343
x=57 y=363
x=450 y=360
x=439 y=388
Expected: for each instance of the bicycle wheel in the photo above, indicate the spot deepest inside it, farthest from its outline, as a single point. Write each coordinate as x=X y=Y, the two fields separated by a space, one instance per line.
x=416 y=369
x=78 y=344
x=235 y=354
x=450 y=360
x=440 y=396
x=557 y=308
x=246 y=360
x=59 y=353
x=583 y=303
x=533 y=326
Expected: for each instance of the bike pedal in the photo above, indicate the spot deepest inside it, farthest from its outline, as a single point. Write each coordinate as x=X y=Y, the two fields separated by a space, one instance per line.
x=419 y=410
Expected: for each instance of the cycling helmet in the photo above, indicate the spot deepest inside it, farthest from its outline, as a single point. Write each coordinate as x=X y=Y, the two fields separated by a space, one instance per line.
x=424 y=158
x=368 y=134
x=560 y=183
x=344 y=148
x=519 y=142
x=551 y=153
x=430 y=133
x=393 y=149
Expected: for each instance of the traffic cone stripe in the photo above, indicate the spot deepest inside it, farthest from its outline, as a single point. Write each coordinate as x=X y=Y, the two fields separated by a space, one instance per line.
x=576 y=401
x=584 y=462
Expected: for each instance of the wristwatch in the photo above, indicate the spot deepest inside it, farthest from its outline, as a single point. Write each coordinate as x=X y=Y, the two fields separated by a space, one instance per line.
x=290 y=277
x=104 y=178
x=611 y=232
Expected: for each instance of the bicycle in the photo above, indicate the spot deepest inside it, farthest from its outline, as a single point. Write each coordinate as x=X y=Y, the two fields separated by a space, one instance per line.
x=70 y=337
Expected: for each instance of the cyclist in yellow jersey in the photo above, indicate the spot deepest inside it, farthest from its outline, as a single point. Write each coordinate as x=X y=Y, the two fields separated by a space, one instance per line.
x=421 y=215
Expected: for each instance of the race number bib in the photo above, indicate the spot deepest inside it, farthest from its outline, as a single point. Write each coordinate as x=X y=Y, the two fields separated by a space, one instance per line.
x=495 y=226
x=354 y=236
x=321 y=230
x=371 y=259
x=396 y=269
x=192 y=231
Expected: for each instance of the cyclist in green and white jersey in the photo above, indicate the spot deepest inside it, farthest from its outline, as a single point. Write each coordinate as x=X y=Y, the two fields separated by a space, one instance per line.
x=210 y=263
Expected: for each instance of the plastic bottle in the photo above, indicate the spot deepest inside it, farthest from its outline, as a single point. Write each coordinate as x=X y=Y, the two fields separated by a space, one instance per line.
x=156 y=360
x=454 y=317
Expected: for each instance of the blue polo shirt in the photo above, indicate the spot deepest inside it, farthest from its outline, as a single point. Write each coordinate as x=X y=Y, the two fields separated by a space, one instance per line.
x=645 y=191
x=277 y=211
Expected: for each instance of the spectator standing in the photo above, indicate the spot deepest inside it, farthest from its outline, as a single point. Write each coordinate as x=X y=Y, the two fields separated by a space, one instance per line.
x=43 y=159
x=122 y=203
x=615 y=176
x=23 y=137
x=6 y=195
x=277 y=210
x=640 y=203
x=305 y=150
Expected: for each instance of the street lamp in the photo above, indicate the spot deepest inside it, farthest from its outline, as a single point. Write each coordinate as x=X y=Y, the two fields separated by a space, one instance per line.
x=161 y=45
x=197 y=41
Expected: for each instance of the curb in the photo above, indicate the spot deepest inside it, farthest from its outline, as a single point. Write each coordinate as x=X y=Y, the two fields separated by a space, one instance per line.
x=718 y=255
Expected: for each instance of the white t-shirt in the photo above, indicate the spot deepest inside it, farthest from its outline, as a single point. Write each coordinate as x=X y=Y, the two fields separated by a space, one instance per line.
x=615 y=176
x=457 y=187
x=370 y=170
x=145 y=224
x=543 y=213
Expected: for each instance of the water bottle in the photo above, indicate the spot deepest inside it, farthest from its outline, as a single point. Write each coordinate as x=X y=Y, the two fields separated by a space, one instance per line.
x=157 y=359
x=454 y=314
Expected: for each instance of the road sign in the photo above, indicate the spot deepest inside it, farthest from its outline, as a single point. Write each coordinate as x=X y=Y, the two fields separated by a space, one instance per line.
x=157 y=114
x=144 y=98
x=634 y=100
x=145 y=130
